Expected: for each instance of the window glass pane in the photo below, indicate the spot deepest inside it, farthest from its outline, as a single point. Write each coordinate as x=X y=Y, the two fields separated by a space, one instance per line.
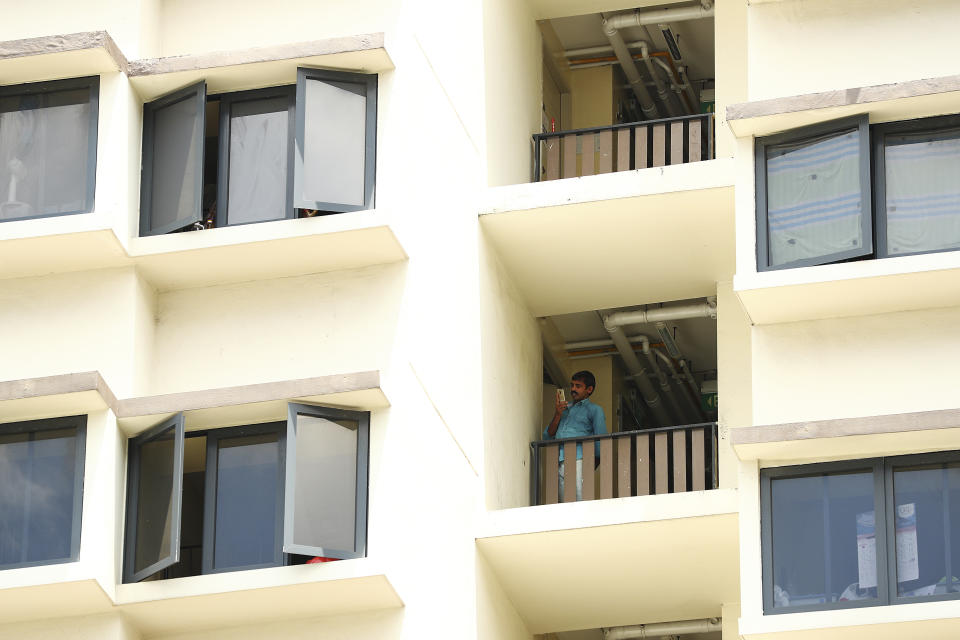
x=258 y=161
x=927 y=506
x=325 y=483
x=334 y=142
x=176 y=162
x=248 y=478
x=922 y=193
x=155 y=501
x=37 y=489
x=814 y=203
x=44 y=140
x=824 y=539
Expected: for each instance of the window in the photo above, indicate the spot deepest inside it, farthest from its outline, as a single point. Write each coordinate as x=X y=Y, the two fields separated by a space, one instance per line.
x=247 y=497
x=255 y=156
x=868 y=532
x=48 y=148
x=41 y=491
x=817 y=202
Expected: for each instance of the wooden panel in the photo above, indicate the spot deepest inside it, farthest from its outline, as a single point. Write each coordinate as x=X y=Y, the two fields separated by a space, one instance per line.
x=606 y=468
x=623 y=150
x=698 y=462
x=695 y=152
x=624 y=481
x=570 y=156
x=676 y=143
x=659 y=145
x=661 y=464
x=589 y=492
x=643 y=465
x=587 y=146
x=569 y=471
x=679 y=461
x=605 y=153
x=552 y=165
x=641 y=161
x=550 y=455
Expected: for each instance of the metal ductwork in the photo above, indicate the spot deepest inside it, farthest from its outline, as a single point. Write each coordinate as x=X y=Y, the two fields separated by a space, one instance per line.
x=662 y=629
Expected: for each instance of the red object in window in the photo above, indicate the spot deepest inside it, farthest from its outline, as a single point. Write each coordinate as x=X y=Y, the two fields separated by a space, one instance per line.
x=319 y=559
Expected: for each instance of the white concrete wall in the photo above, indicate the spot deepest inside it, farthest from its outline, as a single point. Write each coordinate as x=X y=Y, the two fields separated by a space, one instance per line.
x=805 y=46
x=108 y=626
x=497 y=617
x=864 y=366
x=734 y=376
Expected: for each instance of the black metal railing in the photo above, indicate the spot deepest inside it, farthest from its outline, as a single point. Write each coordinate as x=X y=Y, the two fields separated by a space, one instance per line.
x=622 y=147
x=627 y=463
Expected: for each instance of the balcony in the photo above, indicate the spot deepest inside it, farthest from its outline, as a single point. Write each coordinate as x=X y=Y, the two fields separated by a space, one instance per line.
x=628 y=463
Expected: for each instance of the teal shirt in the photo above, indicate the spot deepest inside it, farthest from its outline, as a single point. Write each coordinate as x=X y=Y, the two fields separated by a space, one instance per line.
x=580 y=419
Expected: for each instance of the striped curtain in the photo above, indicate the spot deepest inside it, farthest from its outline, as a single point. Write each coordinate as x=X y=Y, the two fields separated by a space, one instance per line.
x=922 y=194
x=814 y=204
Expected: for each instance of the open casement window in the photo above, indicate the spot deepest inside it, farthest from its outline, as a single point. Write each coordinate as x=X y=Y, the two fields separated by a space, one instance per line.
x=813 y=195
x=171 y=187
x=335 y=158
x=154 y=489
x=916 y=186
x=256 y=155
x=326 y=482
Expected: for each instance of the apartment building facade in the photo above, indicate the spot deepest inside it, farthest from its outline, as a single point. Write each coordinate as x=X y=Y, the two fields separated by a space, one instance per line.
x=288 y=290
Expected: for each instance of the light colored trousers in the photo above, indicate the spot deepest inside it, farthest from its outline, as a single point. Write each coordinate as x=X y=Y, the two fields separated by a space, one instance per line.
x=579 y=480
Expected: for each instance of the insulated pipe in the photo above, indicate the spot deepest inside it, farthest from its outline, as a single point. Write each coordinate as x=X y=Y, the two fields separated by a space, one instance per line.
x=661 y=629
x=647 y=391
x=662 y=91
x=693 y=406
x=647 y=105
x=706 y=309
x=641 y=18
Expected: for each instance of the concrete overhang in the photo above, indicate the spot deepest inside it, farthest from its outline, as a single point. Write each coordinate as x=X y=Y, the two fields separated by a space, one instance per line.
x=258 y=67
x=546 y=9
x=848 y=438
x=59 y=599
x=254 y=597
x=927 y=620
x=859 y=288
x=78 y=393
x=616 y=562
x=644 y=236
x=54 y=57
x=885 y=103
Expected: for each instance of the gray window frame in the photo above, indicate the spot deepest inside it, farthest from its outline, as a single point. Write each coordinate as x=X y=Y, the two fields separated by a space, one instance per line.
x=885 y=530
x=799 y=135
x=133 y=484
x=38 y=88
x=227 y=101
x=210 y=491
x=198 y=93
x=47 y=424
x=936 y=127
x=370 y=82
x=362 y=481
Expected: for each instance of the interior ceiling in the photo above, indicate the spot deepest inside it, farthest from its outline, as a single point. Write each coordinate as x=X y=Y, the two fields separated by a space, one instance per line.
x=694 y=37
x=696 y=337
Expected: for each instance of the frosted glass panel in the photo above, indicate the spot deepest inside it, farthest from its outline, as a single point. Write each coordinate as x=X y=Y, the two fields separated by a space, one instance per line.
x=258 y=161
x=44 y=143
x=923 y=194
x=325 y=483
x=176 y=163
x=334 y=141
x=37 y=486
x=814 y=198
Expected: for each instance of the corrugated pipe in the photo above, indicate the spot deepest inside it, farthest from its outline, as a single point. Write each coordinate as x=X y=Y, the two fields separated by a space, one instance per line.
x=661 y=629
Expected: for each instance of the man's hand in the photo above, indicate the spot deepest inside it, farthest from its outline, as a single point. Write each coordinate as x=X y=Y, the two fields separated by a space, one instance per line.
x=559 y=406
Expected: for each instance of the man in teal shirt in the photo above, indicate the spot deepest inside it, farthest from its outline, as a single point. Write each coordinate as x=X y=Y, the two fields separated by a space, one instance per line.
x=579 y=419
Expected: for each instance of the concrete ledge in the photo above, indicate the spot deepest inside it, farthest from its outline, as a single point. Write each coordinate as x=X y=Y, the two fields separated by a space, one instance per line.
x=329 y=46
x=44 y=45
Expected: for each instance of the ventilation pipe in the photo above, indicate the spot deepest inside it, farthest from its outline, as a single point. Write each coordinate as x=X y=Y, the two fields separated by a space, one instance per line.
x=692 y=385
x=641 y=18
x=693 y=407
x=661 y=629
x=707 y=309
x=662 y=91
x=647 y=391
x=647 y=105
x=666 y=391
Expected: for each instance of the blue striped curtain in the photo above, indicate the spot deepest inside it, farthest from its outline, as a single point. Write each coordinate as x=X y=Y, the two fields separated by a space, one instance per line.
x=814 y=203
x=922 y=194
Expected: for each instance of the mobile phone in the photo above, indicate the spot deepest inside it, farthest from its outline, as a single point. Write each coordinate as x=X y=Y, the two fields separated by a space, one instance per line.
x=560 y=395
